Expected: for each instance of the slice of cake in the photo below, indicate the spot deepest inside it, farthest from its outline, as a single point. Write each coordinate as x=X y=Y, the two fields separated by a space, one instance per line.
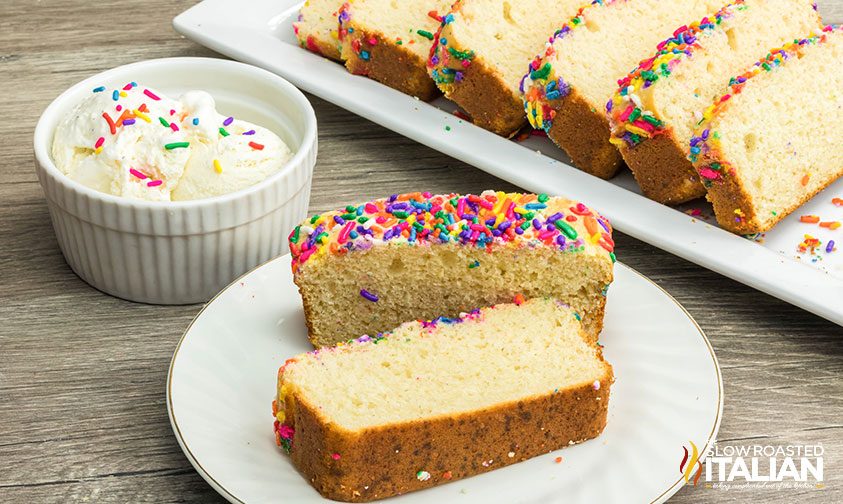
x=568 y=84
x=657 y=106
x=437 y=401
x=774 y=139
x=481 y=50
x=367 y=268
x=389 y=41
x=317 y=27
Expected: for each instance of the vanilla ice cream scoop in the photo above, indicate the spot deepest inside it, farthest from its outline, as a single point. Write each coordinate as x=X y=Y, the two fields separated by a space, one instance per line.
x=137 y=143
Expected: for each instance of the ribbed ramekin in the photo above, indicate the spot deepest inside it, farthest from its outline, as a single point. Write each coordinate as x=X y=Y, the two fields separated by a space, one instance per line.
x=182 y=252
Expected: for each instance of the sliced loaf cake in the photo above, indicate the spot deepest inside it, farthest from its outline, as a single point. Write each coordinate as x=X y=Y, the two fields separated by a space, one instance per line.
x=480 y=52
x=389 y=41
x=657 y=106
x=433 y=402
x=568 y=84
x=366 y=268
x=317 y=27
x=773 y=140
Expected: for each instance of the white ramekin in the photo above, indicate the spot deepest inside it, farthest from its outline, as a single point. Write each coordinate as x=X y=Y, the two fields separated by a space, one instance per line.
x=182 y=252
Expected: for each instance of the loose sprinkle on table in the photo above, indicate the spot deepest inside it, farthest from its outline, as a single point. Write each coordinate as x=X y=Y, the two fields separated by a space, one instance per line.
x=369 y=296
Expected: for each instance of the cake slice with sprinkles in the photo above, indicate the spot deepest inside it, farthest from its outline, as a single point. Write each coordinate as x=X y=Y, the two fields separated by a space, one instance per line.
x=480 y=51
x=366 y=268
x=389 y=41
x=567 y=86
x=774 y=140
x=436 y=401
x=317 y=27
x=657 y=106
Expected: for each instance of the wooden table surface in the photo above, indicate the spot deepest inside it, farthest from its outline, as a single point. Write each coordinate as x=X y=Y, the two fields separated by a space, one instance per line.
x=82 y=374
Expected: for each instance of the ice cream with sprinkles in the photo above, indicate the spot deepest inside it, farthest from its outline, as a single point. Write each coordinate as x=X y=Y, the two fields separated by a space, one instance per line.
x=134 y=141
x=367 y=267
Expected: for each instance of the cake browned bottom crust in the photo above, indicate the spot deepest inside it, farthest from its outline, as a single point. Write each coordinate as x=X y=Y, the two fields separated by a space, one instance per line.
x=387 y=63
x=583 y=132
x=388 y=461
x=663 y=171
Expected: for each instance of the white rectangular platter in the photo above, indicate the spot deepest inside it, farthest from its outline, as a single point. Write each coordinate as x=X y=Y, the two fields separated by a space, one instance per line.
x=259 y=32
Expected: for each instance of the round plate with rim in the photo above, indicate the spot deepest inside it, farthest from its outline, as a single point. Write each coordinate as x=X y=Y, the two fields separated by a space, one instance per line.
x=668 y=394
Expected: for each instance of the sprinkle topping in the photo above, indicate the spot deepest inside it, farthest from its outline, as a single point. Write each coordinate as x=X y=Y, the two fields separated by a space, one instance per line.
x=488 y=220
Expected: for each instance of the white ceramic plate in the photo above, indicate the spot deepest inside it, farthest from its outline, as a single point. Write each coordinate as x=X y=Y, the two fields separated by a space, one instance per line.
x=260 y=32
x=668 y=393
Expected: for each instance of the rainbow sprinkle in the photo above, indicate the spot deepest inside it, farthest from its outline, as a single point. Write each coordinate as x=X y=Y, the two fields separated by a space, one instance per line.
x=176 y=145
x=488 y=220
x=151 y=94
x=369 y=296
x=137 y=174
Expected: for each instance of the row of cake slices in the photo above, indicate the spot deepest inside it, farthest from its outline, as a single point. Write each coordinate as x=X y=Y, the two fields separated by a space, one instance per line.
x=748 y=158
x=482 y=313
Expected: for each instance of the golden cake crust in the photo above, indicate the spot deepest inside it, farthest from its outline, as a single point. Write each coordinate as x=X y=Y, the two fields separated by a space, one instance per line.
x=386 y=62
x=322 y=48
x=395 y=459
x=487 y=100
x=583 y=132
x=662 y=170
